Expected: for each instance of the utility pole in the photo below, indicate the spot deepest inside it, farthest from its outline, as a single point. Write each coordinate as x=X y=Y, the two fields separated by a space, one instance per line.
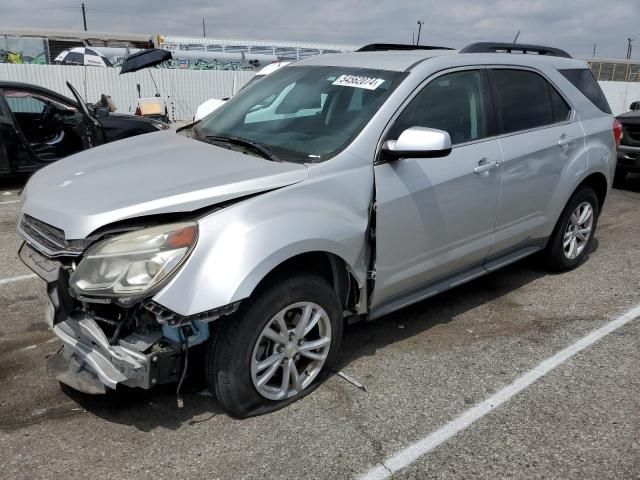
x=420 y=23
x=629 y=47
x=204 y=29
x=595 y=47
x=84 y=17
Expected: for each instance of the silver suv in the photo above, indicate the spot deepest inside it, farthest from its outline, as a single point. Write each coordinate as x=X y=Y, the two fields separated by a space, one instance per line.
x=341 y=186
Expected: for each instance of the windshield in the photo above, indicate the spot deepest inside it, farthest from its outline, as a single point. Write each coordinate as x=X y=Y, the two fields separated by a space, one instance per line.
x=251 y=82
x=303 y=114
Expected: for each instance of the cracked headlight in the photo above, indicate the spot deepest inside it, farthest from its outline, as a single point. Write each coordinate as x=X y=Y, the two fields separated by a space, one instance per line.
x=133 y=264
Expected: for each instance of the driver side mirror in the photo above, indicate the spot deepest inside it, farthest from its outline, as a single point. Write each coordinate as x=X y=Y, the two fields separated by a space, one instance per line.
x=418 y=142
x=634 y=106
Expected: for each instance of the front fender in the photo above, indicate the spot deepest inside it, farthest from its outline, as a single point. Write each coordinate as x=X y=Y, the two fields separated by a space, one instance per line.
x=238 y=246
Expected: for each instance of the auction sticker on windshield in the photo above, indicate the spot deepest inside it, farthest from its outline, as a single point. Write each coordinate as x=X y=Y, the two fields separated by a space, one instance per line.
x=369 y=83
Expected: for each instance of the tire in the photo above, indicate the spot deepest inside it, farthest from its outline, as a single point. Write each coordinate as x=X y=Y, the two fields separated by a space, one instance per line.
x=231 y=371
x=558 y=259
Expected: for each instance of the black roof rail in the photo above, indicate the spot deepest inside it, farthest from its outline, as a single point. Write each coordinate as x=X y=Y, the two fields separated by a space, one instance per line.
x=384 y=47
x=493 y=47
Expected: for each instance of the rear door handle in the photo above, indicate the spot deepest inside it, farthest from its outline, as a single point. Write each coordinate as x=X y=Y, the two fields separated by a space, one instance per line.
x=485 y=166
x=566 y=140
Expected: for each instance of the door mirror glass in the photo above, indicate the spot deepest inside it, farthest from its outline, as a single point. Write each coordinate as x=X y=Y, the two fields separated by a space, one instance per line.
x=634 y=106
x=419 y=142
x=101 y=112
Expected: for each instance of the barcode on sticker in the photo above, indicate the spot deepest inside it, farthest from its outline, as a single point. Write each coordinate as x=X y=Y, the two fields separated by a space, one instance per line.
x=368 y=83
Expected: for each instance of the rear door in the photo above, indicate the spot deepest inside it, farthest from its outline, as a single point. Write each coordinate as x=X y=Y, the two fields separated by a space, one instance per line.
x=435 y=216
x=540 y=138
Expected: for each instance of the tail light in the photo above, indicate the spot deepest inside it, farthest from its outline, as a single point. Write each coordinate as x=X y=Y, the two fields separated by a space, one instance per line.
x=617 y=131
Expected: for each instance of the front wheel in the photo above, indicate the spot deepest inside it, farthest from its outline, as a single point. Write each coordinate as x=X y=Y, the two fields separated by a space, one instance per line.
x=571 y=238
x=273 y=350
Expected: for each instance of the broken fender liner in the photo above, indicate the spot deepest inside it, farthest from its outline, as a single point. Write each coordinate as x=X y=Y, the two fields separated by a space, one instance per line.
x=67 y=371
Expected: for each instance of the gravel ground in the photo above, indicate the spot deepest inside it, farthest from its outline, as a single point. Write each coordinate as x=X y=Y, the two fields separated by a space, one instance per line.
x=423 y=367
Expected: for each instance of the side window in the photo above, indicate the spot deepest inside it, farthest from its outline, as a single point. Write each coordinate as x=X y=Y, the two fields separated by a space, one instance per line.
x=526 y=100
x=453 y=102
x=23 y=102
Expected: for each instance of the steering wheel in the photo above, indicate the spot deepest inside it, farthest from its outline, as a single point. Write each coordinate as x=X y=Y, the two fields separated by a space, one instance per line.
x=48 y=124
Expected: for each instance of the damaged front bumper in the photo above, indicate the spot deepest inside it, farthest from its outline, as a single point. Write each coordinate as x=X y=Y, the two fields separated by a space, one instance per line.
x=88 y=363
x=91 y=361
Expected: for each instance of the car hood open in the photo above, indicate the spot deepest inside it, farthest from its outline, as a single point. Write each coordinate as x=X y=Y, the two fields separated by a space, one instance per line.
x=162 y=172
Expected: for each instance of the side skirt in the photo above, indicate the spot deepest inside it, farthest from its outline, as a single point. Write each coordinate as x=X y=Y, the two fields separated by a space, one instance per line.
x=491 y=264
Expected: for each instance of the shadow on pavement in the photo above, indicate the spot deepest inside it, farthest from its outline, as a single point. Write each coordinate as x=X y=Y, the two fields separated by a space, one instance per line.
x=630 y=184
x=150 y=409
x=16 y=182
x=366 y=338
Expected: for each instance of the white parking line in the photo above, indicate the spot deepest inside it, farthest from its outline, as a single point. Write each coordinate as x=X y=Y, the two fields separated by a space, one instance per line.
x=413 y=452
x=9 y=201
x=4 y=281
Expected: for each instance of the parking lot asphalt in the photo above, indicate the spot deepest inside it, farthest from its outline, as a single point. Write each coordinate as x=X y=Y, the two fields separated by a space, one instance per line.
x=423 y=367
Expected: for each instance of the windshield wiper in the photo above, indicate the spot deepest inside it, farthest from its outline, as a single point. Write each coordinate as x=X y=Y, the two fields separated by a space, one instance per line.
x=263 y=150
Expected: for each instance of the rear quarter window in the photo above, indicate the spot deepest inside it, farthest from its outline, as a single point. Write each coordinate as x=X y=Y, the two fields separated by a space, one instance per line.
x=583 y=80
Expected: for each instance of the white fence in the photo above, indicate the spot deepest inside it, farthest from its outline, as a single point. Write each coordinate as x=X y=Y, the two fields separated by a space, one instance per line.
x=185 y=89
x=621 y=94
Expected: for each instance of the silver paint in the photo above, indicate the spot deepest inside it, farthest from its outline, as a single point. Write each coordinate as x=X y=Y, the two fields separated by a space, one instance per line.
x=435 y=217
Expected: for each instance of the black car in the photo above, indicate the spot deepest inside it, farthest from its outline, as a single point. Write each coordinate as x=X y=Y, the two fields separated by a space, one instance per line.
x=39 y=126
x=629 y=149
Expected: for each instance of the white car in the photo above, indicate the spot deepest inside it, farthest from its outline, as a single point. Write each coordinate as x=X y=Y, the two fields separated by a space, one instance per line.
x=214 y=103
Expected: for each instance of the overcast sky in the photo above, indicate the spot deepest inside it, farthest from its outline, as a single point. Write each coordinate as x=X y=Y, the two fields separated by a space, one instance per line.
x=575 y=25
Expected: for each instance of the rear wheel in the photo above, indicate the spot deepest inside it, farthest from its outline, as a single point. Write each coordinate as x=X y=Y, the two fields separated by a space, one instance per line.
x=571 y=239
x=272 y=352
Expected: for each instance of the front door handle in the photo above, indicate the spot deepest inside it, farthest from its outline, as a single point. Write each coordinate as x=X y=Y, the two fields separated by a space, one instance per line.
x=565 y=140
x=484 y=166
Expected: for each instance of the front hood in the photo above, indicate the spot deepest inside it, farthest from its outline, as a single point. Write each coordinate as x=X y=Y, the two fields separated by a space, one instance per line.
x=156 y=173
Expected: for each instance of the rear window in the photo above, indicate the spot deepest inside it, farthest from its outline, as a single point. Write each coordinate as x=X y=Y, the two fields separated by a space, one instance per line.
x=583 y=80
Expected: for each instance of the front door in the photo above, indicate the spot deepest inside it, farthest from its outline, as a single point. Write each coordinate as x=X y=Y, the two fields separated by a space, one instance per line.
x=436 y=216
x=15 y=155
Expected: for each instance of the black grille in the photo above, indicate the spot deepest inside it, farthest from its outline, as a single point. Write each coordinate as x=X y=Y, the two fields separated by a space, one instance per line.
x=46 y=238
x=632 y=132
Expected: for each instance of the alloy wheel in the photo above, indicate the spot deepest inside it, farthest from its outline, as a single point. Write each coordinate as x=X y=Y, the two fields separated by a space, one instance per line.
x=576 y=236
x=291 y=350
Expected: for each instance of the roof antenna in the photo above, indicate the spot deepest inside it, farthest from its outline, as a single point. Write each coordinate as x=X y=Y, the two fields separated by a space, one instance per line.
x=517 y=35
